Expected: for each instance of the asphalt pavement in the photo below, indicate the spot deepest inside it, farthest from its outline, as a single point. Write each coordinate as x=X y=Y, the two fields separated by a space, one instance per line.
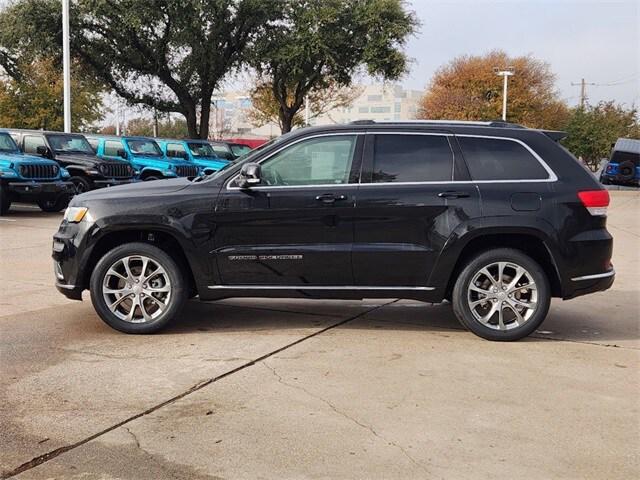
x=291 y=389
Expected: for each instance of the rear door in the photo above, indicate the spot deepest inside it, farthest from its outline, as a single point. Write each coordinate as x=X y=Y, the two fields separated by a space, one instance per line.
x=296 y=227
x=414 y=193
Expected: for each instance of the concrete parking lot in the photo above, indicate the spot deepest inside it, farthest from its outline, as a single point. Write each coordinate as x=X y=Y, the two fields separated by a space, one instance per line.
x=258 y=388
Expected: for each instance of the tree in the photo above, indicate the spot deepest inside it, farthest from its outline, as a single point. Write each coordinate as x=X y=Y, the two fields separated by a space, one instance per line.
x=266 y=109
x=468 y=89
x=317 y=44
x=141 y=126
x=35 y=100
x=169 y=55
x=592 y=130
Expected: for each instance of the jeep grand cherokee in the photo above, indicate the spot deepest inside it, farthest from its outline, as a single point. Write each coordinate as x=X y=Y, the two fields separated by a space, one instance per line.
x=494 y=217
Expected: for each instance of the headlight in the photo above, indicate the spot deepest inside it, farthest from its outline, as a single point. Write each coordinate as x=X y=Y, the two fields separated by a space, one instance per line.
x=65 y=173
x=5 y=172
x=75 y=214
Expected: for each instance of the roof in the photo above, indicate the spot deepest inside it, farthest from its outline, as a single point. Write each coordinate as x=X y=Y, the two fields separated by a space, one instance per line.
x=630 y=145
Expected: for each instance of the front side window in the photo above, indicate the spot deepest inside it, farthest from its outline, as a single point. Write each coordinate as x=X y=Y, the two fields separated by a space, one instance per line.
x=175 y=150
x=500 y=159
x=201 y=150
x=317 y=161
x=412 y=158
x=7 y=144
x=69 y=144
x=144 y=147
x=94 y=143
x=111 y=148
x=32 y=142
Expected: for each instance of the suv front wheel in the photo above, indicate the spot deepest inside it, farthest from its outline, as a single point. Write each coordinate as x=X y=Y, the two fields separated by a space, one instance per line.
x=502 y=294
x=137 y=288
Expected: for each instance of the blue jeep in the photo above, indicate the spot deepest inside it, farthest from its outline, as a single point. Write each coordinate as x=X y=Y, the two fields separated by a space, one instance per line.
x=623 y=167
x=199 y=152
x=144 y=155
x=29 y=178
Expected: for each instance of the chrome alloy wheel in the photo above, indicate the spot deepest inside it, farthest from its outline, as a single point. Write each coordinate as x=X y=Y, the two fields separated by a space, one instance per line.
x=136 y=289
x=502 y=296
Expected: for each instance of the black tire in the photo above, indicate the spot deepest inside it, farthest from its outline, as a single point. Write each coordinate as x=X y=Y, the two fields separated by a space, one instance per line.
x=461 y=293
x=627 y=170
x=179 y=288
x=150 y=178
x=81 y=184
x=53 y=204
x=5 y=201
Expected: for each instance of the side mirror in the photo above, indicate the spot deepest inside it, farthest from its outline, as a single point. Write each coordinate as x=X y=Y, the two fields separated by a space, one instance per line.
x=42 y=150
x=122 y=153
x=249 y=175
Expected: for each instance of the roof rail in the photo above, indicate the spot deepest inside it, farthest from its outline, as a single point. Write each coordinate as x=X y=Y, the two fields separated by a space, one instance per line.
x=492 y=123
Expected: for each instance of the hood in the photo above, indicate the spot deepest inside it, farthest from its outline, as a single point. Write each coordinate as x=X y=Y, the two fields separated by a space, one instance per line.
x=7 y=158
x=132 y=191
x=83 y=159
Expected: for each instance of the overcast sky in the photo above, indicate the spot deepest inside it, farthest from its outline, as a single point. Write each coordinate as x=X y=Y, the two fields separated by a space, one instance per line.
x=597 y=41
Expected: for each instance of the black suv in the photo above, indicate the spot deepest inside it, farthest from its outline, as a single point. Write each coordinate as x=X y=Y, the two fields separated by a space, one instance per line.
x=73 y=152
x=493 y=217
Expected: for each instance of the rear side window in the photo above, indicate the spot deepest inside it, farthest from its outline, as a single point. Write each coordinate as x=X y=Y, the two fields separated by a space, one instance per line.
x=412 y=158
x=93 y=142
x=32 y=142
x=175 y=150
x=498 y=159
x=111 y=148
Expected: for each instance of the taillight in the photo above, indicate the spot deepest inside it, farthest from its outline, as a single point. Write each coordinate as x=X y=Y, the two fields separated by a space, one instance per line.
x=596 y=201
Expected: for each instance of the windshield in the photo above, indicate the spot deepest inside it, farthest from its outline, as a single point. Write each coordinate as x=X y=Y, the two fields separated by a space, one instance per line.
x=69 y=144
x=7 y=144
x=144 y=147
x=201 y=150
x=240 y=150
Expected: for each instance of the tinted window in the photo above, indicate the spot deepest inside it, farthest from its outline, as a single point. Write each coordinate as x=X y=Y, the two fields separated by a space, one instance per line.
x=317 y=161
x=32 y=142
x=412 y=158
x=175 y=150
x=111 y=148
x=69 y=144
x=495 y=159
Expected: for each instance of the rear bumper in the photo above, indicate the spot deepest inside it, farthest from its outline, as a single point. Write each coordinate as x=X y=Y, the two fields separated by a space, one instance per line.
x=39 y=188
x=596 y=282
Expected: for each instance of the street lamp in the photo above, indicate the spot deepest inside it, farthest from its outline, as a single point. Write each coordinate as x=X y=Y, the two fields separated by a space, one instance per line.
x=66 y=67
x=505 y=73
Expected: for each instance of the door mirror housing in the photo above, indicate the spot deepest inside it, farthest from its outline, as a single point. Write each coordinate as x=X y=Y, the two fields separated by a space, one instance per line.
x=122 y=153
x=42 y=151
x=249 y=175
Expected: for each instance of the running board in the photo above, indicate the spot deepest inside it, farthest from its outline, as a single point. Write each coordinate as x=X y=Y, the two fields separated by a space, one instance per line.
x=313 y=287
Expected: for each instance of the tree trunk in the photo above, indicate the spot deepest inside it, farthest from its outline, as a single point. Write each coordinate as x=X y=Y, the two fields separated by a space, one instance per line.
x=205 y=113
x=192 y=125
x=286 y=120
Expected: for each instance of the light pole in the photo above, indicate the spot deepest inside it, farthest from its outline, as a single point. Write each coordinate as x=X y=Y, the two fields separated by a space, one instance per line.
x=506 y=73
x=66 y=67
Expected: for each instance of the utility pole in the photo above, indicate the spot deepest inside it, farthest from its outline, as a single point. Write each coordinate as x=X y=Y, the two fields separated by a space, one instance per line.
x=306 y=110
x=66 y=67
x=505 y=74
x=583 y=91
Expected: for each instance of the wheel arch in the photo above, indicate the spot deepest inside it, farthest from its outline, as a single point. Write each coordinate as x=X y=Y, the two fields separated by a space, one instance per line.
x=165 y=240
x=532 y=242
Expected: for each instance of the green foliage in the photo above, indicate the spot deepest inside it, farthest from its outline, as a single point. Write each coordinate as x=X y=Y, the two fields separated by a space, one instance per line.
x=319 y=43
x=140 y=126
x=594 y=129
x=35 y=100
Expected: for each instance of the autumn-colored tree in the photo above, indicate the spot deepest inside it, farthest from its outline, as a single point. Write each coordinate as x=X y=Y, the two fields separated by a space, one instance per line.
x=265 y=108
x=467 y=88
x=34 y=99
x=592 y=130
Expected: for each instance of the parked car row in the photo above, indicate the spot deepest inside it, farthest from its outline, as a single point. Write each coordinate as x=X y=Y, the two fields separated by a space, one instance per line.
x=48 y=168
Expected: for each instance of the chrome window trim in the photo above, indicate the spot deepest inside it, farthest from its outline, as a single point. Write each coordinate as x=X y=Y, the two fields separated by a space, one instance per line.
x=551 y=178
x=313 y=287
x=595 y=276
x=229 y=182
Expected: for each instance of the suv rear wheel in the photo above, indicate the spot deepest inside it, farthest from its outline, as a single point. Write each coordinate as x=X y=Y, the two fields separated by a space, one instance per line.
x=502 y=294
x=138 y=288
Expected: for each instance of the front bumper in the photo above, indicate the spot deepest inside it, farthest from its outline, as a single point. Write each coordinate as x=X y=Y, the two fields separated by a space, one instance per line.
x=40 y=188
x=70 y=291
x=112 y=182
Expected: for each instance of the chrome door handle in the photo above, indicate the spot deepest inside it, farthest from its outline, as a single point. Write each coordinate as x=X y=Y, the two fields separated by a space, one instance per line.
x=330 y=198
x=452 y=194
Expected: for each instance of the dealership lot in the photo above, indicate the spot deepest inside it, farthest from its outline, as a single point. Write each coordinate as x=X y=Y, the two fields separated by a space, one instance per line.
x=256 y=388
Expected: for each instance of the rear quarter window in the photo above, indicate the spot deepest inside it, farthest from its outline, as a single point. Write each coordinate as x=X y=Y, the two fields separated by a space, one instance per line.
x=500 y=159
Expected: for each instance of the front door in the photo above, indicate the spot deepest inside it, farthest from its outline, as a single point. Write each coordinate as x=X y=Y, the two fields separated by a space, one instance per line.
x=414 y=194
x=296 y=226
